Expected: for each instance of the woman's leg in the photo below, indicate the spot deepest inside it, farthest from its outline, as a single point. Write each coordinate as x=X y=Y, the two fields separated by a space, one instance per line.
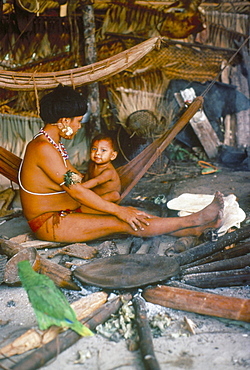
x=78 y=227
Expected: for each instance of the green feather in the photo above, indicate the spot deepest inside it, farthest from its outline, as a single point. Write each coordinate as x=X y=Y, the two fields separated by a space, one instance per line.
x=49 y=303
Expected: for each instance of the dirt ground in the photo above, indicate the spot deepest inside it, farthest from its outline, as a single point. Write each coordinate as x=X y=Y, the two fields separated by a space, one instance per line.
x=217 y=343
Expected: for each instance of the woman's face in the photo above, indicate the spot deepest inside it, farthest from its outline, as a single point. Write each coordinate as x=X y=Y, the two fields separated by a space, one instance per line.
x=75 y=124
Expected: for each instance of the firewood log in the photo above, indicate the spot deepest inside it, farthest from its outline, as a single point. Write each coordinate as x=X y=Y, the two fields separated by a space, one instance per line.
x=144 y=331
x=209 y=248
x=217 y=279
x=59 y=274
x=33 y=338
x=228 y=264
x=199 y=302
x=238 y=250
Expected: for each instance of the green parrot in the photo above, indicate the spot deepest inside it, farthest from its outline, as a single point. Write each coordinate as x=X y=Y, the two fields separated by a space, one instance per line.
x=49 y=303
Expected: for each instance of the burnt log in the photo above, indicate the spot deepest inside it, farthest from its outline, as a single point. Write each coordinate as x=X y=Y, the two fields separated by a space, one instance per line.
x=199 y=302
x=239 y=250
x=144 y=331
x=228 y=264
x=209 y=248
x=217 y=279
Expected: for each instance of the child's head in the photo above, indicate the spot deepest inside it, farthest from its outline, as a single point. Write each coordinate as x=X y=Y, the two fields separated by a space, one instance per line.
x=103 y=149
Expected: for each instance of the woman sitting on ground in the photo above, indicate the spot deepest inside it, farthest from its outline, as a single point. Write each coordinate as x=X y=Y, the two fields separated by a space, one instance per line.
x=57 y=205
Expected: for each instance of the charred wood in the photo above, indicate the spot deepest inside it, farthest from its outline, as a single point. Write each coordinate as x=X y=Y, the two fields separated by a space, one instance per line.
x=59 y=274
x=179 y=284
x=144 y=331
x=154 y=246
x=217 y=279
x=206 y=249
x=228 y=264
x=135 y=245
x=239 y=250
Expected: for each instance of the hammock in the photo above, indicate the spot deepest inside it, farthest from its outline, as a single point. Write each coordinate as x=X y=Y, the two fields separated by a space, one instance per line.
x=131 y=172
x=78 y=76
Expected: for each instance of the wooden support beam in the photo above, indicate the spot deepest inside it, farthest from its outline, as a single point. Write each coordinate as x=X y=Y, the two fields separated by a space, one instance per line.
x=203 y=129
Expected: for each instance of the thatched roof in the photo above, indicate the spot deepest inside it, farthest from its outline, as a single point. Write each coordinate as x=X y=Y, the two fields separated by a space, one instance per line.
x=198 y=37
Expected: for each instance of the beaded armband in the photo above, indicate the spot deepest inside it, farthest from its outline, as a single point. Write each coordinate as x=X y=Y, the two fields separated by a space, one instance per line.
x=71 y=178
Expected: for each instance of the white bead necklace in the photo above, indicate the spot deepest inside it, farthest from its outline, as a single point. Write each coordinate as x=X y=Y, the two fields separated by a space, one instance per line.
x=61 y=148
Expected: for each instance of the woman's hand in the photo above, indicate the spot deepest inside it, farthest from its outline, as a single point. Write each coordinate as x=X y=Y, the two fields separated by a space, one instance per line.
x=135 y=218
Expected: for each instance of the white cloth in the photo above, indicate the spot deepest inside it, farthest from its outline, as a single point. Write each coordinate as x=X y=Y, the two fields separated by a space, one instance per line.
x=189 y=203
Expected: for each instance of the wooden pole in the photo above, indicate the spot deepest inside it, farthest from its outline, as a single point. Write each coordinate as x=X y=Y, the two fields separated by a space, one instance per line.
x=94 y=124
x=199 y=302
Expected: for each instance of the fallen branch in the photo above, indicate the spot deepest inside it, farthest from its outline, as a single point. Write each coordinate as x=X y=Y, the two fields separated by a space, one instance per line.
x=199 y=302
x=144 y=331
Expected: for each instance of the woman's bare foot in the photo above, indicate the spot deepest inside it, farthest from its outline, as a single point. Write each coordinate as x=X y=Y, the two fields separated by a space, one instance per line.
x=209 y=217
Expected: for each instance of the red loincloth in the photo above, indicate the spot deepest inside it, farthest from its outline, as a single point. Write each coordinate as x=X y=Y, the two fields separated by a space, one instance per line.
x=38 y=221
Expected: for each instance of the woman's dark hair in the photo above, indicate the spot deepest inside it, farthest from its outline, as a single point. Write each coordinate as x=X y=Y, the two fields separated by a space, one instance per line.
x=62 y=102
